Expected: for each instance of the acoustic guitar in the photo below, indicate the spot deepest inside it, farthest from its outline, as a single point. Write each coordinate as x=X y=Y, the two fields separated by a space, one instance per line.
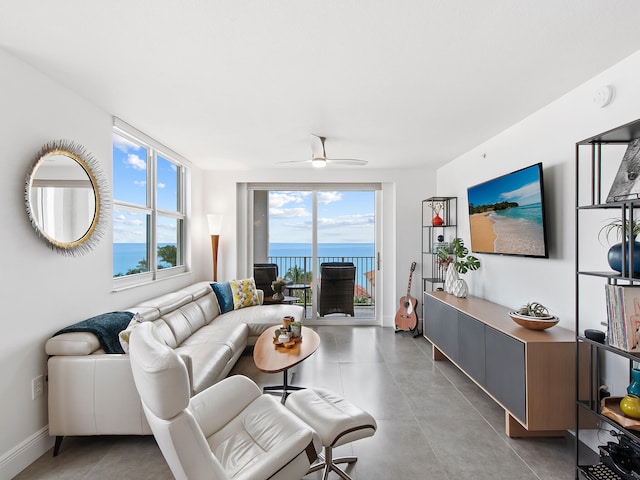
x=406 y=317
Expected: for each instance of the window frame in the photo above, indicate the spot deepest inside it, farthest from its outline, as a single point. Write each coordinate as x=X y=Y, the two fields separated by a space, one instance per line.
x=181 y=215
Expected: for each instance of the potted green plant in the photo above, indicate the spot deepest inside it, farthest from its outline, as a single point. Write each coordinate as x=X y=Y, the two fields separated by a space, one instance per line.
x=630 y=230
x=462 y=263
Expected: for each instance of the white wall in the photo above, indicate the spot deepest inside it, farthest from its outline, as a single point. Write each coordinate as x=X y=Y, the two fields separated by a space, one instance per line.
x=547 y=136
x=43 y=291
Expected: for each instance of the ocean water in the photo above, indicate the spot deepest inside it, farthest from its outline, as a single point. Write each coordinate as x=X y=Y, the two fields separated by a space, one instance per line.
x=326 y=252
x=528 y=213
x=127 y=255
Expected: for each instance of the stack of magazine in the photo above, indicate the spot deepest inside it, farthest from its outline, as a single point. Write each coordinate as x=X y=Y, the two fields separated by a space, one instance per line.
x=623 y=316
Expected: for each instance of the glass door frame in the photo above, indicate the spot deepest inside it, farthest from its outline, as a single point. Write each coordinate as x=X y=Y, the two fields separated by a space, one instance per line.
x=314 y=188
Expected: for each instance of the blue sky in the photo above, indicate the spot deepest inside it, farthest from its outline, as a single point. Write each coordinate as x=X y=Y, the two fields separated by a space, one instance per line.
x=343 y=217
x=130 y=185
x=522 y=187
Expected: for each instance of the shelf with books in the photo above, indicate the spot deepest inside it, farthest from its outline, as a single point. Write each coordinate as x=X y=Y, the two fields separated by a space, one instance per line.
x=604 y=163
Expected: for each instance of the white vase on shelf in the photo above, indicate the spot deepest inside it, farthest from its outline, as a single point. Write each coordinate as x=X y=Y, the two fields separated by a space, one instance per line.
x=450 y=277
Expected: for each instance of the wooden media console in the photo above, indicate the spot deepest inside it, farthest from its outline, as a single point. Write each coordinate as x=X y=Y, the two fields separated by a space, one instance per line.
x=531 y=374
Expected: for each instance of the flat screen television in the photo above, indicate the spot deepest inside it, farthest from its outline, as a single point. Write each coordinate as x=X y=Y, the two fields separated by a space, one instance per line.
x=507 y=214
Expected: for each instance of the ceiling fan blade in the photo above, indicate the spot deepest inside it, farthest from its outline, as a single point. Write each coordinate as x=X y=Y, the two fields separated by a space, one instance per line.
x=317 y=147
x=291 y=162
x=347 y=161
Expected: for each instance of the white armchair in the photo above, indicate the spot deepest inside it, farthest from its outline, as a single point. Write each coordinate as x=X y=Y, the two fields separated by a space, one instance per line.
x=229 y=431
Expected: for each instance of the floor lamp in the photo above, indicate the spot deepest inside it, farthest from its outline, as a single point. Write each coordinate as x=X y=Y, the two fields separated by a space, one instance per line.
x=215 y=226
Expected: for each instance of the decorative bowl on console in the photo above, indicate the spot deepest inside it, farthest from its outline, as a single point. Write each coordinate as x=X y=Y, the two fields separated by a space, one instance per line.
x=534 y=316
x=534 y=323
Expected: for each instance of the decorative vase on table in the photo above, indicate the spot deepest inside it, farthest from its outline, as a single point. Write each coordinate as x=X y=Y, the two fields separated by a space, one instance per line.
x=614 y=257
x=450 y=278
x=460 y=288
x=277 y=294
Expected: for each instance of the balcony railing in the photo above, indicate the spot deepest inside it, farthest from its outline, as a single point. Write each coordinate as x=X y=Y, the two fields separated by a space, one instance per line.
x=298 y=270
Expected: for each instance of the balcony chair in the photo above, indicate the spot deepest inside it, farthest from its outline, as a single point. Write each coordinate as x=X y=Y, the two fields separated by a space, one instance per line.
x=230 y=430
x=337 y=283
x=264 y=274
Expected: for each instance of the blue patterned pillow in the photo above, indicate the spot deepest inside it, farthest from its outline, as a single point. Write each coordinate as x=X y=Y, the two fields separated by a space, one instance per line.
x=224 y=296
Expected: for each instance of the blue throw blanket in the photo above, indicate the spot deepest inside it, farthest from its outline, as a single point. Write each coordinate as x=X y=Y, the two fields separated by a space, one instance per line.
x=106 y=327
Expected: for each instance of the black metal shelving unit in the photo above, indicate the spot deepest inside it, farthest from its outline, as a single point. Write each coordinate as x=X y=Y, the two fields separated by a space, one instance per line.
x=592 y=160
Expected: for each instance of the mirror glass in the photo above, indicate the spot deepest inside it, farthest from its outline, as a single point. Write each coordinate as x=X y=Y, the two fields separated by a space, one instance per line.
x=62 y=199
x=65 y=195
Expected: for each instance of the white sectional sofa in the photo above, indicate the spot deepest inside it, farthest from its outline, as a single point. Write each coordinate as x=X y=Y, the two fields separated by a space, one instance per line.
x=93 y=393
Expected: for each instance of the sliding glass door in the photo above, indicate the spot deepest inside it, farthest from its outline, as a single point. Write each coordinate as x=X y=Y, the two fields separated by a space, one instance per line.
x=323 y=241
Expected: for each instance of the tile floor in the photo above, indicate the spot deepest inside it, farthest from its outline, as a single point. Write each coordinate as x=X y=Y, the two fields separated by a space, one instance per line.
x=433 y=423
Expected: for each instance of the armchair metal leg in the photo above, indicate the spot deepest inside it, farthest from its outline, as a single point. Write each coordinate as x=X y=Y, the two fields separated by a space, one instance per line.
x=56 y=447
x=328 y=463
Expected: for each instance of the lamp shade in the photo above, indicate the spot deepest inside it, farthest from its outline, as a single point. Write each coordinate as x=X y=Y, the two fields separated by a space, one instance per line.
x=215 y=224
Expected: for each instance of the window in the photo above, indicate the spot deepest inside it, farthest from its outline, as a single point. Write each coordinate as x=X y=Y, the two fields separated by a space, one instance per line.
x=149 y=214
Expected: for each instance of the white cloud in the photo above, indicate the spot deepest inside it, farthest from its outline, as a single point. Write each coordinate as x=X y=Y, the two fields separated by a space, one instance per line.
x=347 y=221
x=329 y=197
x=140 y=183
x=161 y=185
x=136 y=162
x=525 y=195
x=279 y=199
x=289 y=212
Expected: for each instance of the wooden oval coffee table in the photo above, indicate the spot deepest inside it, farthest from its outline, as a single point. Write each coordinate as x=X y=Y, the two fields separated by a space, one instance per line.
x=270 y=358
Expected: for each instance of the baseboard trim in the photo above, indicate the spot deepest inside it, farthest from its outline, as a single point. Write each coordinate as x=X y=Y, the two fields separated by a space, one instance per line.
x=25 y=453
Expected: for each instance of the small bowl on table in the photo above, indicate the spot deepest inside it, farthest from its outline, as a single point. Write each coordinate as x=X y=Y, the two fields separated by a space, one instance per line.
x=534 y=323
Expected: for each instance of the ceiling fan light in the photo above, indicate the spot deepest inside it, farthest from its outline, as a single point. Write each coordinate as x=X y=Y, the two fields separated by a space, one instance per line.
x=319 y=162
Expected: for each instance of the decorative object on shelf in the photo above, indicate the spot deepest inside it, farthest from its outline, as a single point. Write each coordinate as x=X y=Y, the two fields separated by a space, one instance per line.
x=630 y=406
x=626 y=184
x=278 y=285
x=437 y=207
x=614 y=255
x=634 y=386
x=610 y=407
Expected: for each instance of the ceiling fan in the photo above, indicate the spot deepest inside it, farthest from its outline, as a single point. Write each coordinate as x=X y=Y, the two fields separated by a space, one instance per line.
x=319 y=155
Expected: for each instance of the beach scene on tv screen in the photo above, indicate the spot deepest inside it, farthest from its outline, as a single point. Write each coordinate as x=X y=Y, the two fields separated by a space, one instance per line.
x=506 y=214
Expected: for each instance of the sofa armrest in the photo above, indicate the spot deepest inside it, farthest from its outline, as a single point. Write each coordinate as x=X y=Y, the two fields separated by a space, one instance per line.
x=260 y=296
x=72 y=343
x=215 y=406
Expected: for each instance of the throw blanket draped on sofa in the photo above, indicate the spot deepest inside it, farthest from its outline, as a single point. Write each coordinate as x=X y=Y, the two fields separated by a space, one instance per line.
x=106 y=327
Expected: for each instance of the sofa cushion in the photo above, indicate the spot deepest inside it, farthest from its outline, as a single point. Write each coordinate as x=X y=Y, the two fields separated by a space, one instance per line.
x=244 y=293
x=234 y=336
x=224 y=295
x=208 y=361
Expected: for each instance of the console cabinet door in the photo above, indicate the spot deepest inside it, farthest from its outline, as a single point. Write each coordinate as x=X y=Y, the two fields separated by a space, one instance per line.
x=471 y=347
x=505 y=372
x=441 y=326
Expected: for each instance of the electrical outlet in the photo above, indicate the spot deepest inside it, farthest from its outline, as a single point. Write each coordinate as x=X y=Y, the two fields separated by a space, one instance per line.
x=37 y=387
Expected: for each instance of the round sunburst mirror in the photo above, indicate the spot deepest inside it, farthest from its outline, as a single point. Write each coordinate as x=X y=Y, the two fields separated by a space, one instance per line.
x=67 y=197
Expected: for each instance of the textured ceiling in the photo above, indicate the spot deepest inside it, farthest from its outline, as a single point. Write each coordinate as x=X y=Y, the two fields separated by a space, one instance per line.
x=242 y=83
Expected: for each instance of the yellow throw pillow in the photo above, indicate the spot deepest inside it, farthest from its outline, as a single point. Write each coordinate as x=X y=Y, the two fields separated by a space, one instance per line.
x=245 y=293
